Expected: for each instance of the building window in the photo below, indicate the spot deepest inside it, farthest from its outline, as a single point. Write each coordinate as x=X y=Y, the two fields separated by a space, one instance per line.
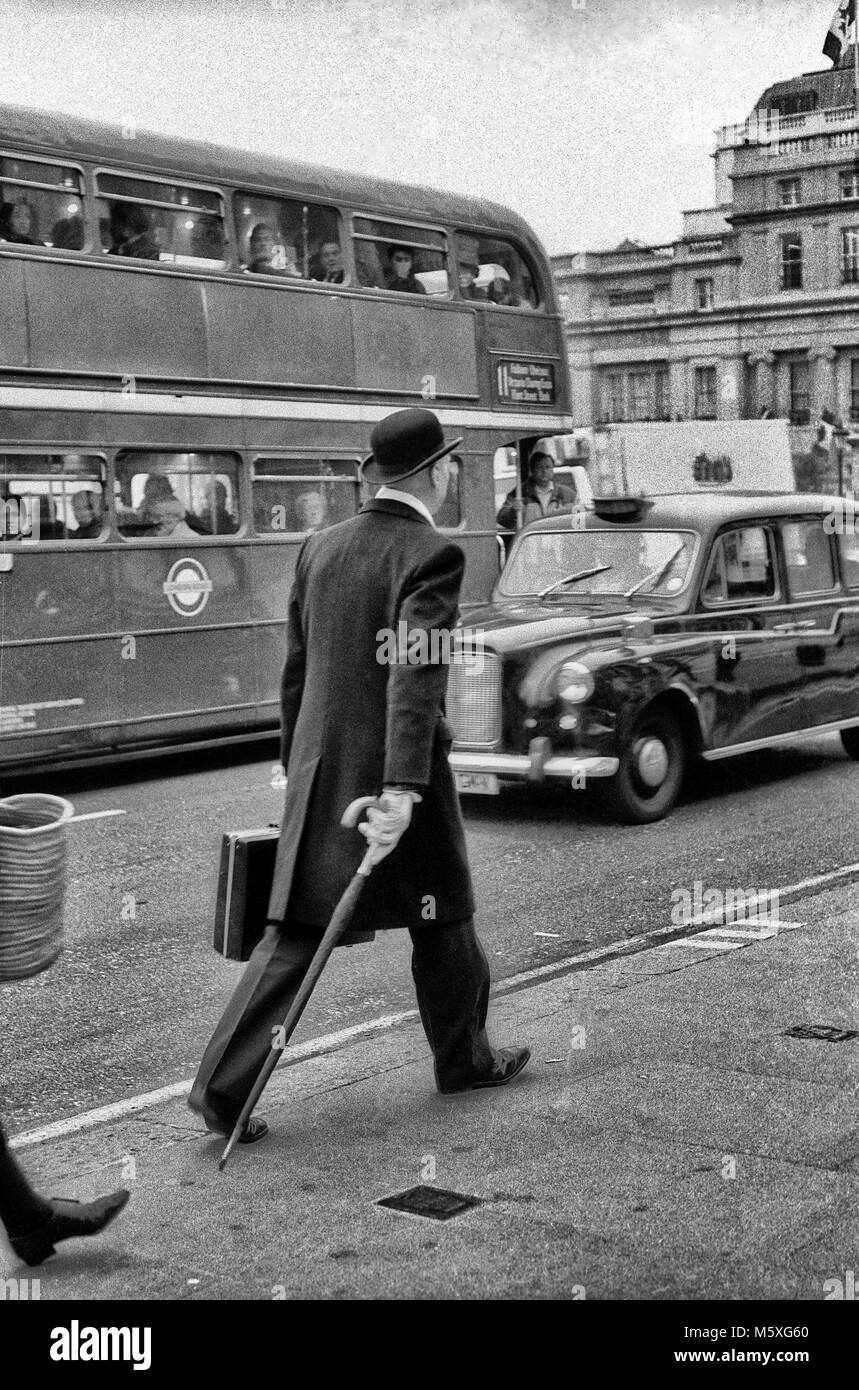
x=854 y=389
x=791 y=261
x=849 y=183
x=615 y=397
x=850 y=255
x=800 y=398
x=789 y=193
x=705 y=393
x=641 y=396
x=704 y=293
x=631 y=299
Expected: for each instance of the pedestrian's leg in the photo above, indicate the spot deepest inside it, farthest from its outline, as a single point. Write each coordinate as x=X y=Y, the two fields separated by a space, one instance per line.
x=20 y=1207
x=451 y=976
x=243 y=1038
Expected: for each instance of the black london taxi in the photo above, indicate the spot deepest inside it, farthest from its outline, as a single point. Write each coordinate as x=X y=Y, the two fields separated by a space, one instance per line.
x=639 y=633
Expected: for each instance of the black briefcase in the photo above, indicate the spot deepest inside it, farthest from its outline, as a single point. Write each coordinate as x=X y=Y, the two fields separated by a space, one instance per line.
x=244 y=888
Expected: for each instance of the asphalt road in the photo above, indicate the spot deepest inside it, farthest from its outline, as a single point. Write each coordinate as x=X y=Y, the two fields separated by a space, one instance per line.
x=130 y=1004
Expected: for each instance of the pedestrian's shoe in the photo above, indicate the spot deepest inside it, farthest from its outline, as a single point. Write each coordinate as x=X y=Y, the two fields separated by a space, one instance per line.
x=253 y=1130
x=67 y=1219
x=508 y=1062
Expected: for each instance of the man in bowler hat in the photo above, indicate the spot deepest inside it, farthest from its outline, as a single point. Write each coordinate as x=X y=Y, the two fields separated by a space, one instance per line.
x=355 y=724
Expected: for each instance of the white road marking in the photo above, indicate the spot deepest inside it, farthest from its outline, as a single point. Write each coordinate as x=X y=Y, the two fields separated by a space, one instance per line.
x=95 y=815
x=707 y=943
x=314 y=1046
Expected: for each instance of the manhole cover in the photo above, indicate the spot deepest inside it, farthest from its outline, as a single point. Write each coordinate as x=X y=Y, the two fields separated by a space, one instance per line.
x=821 y=1032
x=433 y=1202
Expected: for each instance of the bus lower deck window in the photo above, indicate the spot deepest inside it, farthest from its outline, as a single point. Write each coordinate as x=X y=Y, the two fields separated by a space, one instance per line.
x=295 y=496
x=52 y=497
x=181 y=496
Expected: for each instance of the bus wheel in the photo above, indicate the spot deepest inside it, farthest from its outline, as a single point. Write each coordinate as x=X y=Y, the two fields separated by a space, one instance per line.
x=850 y=739
x=652 y=765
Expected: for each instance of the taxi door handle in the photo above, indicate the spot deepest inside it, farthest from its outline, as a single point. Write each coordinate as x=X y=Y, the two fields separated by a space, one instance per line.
x=793 y=627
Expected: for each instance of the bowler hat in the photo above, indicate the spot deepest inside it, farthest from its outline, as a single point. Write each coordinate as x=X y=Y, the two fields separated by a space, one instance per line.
x=404 y=443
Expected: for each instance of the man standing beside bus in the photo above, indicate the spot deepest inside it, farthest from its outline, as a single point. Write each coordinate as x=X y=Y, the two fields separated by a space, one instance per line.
x=355 y=724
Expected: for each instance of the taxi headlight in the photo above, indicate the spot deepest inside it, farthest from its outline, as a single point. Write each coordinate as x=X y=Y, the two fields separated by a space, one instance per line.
x=574 y=682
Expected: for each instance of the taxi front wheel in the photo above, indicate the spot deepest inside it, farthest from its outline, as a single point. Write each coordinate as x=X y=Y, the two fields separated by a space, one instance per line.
x=650 y=776
x=850 y=739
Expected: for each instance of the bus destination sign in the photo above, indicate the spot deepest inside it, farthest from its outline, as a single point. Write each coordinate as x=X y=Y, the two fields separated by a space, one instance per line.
x=526 y=382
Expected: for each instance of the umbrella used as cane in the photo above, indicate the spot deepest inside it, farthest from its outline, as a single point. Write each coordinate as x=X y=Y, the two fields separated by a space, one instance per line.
x=336 y=927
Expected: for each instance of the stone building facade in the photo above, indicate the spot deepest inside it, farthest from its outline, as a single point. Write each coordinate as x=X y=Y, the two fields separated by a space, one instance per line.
x=754 y=310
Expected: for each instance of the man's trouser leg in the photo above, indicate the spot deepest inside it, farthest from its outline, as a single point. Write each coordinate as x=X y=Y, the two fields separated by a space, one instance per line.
x=451 y=976
x=20 y=1207
x=242 y=1040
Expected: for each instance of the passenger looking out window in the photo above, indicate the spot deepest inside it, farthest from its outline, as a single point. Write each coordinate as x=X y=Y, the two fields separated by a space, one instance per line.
x=311 y=511
x=400 y=275
x=18 y=224
x=268 y=257
x=131 y=232
x=329 y=266
x=468 y=289
x=165 y=516
x=88 y=512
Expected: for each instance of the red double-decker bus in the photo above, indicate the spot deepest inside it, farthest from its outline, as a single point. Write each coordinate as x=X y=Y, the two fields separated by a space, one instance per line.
x=195 y=344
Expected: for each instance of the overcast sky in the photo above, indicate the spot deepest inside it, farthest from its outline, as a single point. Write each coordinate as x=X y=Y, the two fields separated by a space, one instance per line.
x=592 y=118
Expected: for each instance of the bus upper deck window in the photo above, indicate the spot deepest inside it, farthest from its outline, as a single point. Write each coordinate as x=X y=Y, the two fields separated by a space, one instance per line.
x=289 y=238
x=52 y=497
x=494 y=272
x=294 y=496
x=180 y=496
x=148 y=220
x=41 y=204
x=400 y=256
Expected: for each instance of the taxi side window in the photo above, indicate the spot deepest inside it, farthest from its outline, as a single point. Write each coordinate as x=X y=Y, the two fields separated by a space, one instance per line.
x=848 y=545
x=295 y=496
x=808 y=557
x=741 y=567
x=52 y=497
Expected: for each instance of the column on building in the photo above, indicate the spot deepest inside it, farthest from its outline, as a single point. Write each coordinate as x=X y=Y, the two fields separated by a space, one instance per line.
x=678 y=373
x=762 y=380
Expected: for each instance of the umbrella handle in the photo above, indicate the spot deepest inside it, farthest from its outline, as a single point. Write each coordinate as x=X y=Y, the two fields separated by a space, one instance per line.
x=350 y=818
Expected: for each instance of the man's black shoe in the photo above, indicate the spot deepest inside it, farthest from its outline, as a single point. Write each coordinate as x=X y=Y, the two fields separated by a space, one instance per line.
x=66 y=1219
x=509 y=1061
x=254 y=1129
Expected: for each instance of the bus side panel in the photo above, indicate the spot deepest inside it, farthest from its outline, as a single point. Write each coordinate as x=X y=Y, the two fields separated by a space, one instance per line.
x=13 y=314
x=260 y=333
x=272 y=570
x=52 y=691
x=403 y=348
x=196 y=666
x=124 y=322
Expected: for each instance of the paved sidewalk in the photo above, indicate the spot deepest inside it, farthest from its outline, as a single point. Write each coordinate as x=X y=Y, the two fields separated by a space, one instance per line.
x=679 y=1147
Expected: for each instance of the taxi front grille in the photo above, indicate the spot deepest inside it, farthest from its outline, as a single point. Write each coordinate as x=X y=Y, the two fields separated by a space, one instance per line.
x=474 y=701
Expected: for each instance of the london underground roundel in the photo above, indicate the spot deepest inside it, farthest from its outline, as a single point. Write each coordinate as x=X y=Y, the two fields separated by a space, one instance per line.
x=187 y=587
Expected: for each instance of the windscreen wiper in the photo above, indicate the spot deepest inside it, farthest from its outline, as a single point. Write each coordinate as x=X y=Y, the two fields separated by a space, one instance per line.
x=574 y=579
x=657 y=575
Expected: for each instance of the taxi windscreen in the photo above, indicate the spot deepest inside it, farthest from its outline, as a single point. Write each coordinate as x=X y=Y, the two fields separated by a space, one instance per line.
x=600 y=562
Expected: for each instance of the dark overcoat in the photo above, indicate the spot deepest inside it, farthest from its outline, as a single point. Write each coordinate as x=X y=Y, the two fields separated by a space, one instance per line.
x=353 y=723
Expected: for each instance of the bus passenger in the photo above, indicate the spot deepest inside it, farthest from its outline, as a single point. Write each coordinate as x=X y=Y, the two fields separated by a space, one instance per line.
x=400 y=275
x=216 y=517
x=18 y=224
x=311 y=511
x=468 y=273
x=166 y=517
x=263 y=246
x=68 y=233
x=49 y=528
x=500 y=291
x=131 y=233
x=328 y=265
x=88 y=509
